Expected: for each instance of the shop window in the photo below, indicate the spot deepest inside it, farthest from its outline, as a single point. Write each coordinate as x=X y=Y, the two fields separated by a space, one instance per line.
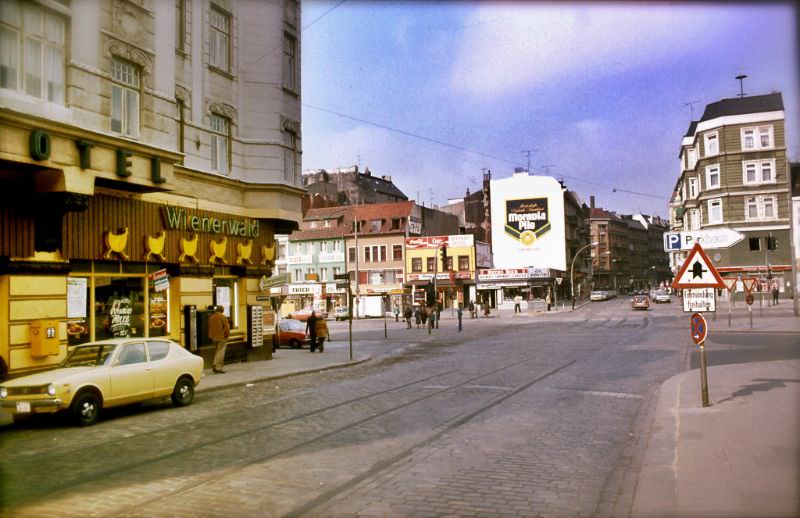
x=158 y=315
x=226 y=295
x=119 y=307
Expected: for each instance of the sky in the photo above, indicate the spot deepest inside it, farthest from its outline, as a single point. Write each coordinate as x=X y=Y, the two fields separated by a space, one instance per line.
x=597 y=94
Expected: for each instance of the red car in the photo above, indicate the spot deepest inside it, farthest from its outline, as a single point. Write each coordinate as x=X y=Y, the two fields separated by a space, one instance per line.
x=640 y=301
x=291 y=333
x=303 y=314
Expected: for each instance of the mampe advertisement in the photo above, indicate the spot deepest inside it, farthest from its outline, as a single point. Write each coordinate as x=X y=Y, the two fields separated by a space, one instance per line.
x=528 y=227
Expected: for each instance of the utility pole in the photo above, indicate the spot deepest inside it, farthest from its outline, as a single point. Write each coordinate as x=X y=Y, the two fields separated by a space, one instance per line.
x=355 y=229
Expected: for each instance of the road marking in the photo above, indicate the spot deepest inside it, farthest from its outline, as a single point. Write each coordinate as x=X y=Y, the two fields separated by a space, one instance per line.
x=618 y=395
x=488 y=387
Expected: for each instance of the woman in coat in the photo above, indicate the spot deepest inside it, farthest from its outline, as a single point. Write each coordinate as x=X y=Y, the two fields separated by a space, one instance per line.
x=322 y=333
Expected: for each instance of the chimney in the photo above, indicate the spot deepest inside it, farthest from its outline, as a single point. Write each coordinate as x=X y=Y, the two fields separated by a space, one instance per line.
x=591 y=202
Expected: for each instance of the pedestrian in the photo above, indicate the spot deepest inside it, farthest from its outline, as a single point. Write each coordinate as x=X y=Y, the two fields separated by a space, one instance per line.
x=311 y=331
x=518 y=304
x=322 y=333
x=418 y=316
x=775 y=294
x=472 y=313
x=423 y=315
x=218 y=331
x=407 y=316
x=548 y=299
x=396 y=313
x=486 y=310
x=431 y=319
x=458 y=313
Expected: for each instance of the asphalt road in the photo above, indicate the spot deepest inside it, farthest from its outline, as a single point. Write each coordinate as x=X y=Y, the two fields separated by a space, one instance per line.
x=514 y=416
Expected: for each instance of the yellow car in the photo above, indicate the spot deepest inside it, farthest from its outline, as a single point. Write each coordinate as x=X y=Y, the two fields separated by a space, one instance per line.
x=105 y=374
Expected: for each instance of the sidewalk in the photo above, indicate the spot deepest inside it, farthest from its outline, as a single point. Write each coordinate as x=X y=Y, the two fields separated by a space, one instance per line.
x=741 y=455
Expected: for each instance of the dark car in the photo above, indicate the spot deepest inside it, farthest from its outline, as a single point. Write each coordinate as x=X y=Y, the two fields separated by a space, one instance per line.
x=640 y=301
x=291 y=333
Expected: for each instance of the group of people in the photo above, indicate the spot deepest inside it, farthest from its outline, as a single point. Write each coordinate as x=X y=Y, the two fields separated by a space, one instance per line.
x=317 y=331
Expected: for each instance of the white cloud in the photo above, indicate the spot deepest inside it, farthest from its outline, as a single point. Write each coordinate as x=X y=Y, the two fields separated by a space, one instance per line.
x=529 y=45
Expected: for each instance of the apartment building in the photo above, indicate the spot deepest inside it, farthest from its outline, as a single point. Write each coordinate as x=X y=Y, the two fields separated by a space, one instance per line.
x=735 y=174
x=141 y=141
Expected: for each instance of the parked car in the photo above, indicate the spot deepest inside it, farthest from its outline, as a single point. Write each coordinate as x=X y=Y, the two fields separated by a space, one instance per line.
x=303 y=314
x=341 y=313
x=105 y=374
x=662 y=296
x=291 y=333
x=599 y=295
x=640 y=301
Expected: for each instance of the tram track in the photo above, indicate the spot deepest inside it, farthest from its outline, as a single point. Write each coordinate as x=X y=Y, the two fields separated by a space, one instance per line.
x=86 y=477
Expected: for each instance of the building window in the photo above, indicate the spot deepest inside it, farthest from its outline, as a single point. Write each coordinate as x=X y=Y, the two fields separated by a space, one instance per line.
x=758 y=172
x=714 y=211
x=290 y=156
x=125 y=98
x=351 y=254
x=281 y=251
x=180 y=24
x=448 y=264
x=367 y=254
x=289 y=62
x=32 y=43
x=691 y=157
x=757 y=138
x=750 y=209
x=382 y=249
x=397 y=252
x=692 y=183
x=431 y=264
x=712 y=176
x=463 y=263
x=755 y=244
x=416 y=264
x=711 y=144
x=323 y=274
x=760 y=208
x=220 y=148
x=219 y=39
x=298 y=275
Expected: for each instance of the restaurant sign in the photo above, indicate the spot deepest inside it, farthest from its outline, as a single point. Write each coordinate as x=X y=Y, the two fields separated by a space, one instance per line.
x=180 y=219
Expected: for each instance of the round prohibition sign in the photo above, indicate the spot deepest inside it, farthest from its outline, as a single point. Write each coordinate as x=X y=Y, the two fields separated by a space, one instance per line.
x=699 y=328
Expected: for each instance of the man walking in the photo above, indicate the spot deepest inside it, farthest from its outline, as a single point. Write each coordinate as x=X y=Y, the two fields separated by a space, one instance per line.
x=218 y=331
x=518 y=304
x=459 y=311
x=775 y=294
x=311 y=330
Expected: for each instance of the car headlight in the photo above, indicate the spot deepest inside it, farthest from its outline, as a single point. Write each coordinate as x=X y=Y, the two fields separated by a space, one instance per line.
x=51 y=389
x=3 y=392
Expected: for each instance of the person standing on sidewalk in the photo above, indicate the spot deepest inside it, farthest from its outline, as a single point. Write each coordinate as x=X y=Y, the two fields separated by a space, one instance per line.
x=518 y=304
x=407 y=317
x=459 y=312
x=311 y=331
x=322 y=333
x=472 y=312
x=775 y=295
x=218 y=331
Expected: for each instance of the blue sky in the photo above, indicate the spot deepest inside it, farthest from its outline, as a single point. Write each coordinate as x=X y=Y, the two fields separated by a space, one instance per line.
x=599 y=92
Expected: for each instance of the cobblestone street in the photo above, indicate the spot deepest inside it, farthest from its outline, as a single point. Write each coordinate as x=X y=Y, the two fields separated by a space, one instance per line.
x=514 y=417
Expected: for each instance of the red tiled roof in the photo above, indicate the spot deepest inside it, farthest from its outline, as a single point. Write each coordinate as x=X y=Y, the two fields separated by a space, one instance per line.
x=598 y=213
x=365 y=213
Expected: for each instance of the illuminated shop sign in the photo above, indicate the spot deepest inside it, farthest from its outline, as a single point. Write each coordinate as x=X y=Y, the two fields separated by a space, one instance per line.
x=180 y=219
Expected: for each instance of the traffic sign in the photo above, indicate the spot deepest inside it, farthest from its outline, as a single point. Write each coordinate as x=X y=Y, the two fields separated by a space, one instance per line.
x=699 y=328
x=730 y=283
x=715 y=238
x=749 y=299
x=699 y=299
x=750 y=284
x=341 y=277
x=697 y=272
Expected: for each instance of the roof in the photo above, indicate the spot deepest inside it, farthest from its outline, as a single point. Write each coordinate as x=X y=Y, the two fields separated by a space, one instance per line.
x=742 y=105
x=598 y=213
x=382 y=211
x=380 y=185
x=692 y=128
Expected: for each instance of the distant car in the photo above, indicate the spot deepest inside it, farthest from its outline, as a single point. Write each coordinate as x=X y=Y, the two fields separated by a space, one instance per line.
x=341 y=313
x=599 y=295
x=662 y=296
x=105 y=374
x=640 y=301
x=291 y=333
x=303 y=314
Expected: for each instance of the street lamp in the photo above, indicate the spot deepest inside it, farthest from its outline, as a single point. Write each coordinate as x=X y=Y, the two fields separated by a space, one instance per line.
x=572 y=271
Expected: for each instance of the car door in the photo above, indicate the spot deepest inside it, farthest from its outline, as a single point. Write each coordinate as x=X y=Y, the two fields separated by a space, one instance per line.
x=165 y=373
x=131 y=375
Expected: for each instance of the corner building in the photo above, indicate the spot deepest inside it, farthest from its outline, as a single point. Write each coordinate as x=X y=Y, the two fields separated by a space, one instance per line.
x=735 y=175
x=149 y=151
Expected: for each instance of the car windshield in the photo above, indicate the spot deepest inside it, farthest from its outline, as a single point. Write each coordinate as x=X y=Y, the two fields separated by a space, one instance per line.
x=292 y=325
x=89 y=355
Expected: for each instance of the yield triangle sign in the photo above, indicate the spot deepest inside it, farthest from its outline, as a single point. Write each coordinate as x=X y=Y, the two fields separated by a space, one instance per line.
x=730 y=283
x=697 y=272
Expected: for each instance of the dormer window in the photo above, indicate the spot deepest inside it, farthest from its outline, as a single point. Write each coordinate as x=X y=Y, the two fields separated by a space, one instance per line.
x=375 y=225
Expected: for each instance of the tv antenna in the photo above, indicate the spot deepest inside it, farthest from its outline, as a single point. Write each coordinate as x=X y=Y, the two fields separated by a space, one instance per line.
x=741 y=78
x=691 y=104
x=527 y=153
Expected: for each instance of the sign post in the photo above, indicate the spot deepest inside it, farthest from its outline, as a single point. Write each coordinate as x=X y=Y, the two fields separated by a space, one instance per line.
x=699 y=281
x=343 y=281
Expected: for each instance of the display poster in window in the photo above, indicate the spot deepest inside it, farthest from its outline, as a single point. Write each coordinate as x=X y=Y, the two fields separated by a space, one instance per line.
x=224 y=299
x=158 y=314
x=120 y=310
x=77 y=295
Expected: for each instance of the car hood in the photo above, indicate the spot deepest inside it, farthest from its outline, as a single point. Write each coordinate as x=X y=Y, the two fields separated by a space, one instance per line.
x=61 y=375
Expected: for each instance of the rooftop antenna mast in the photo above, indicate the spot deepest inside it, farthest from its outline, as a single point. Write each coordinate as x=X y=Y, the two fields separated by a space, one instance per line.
x=691 y=104
x=741 y=78
x=527 y=153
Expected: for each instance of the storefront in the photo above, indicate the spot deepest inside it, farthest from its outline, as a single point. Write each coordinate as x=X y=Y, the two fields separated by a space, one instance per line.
x=501 y=286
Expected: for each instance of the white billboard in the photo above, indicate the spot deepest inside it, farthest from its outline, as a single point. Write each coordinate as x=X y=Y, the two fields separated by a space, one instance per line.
x=528 y=226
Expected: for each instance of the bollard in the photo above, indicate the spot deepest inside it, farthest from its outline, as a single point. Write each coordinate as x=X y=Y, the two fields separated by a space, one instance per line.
x=704 y=375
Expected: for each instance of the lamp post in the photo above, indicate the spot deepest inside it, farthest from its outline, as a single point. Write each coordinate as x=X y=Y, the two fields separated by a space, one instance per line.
x=572 y=271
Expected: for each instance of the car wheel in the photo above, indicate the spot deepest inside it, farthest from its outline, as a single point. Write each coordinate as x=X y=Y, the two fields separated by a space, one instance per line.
x=294 y=343
x=86 y=409
x=183 y=393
